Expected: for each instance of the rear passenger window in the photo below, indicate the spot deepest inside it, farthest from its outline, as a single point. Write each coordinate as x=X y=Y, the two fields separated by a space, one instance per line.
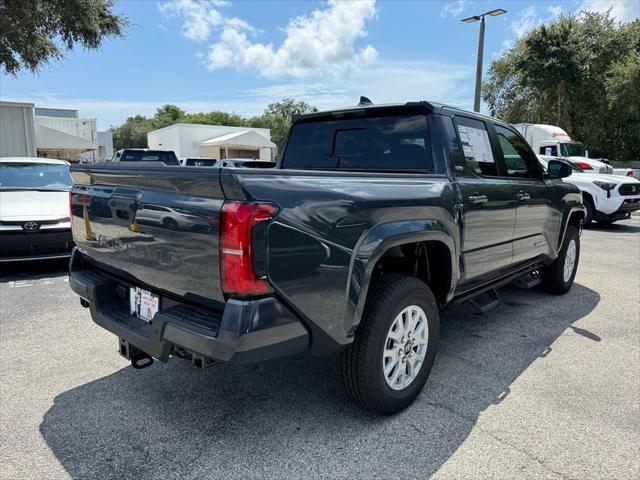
x=478 y=157
x=385 y=143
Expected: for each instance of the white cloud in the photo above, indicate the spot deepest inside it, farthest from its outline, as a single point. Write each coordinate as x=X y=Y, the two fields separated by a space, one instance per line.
x=323 y=42
x=201 y=17
x=621 y=10
x=527 y=20
x=555 y=10
x=453 y=8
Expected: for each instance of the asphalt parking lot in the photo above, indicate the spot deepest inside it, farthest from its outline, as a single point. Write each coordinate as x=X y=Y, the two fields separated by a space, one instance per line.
x=541 y=387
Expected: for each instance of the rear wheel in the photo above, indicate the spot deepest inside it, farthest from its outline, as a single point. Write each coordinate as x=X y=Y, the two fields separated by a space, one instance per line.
x=558 y=277
x=388 y=364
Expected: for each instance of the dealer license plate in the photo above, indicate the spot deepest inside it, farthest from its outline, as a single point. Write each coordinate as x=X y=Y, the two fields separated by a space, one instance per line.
x=144 y=304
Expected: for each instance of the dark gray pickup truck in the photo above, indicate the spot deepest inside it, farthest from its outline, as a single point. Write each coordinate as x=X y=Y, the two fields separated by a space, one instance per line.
x=374 y=219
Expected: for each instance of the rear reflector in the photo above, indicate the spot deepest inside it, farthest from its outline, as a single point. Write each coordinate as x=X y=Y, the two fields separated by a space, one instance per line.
x=237 y=222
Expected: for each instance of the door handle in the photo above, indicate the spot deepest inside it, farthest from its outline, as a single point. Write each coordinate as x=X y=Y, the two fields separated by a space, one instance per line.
x=476 y=199
x=523 y=196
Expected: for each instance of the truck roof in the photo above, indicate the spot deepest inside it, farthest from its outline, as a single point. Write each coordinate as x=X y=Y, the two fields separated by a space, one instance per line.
x=433 y=107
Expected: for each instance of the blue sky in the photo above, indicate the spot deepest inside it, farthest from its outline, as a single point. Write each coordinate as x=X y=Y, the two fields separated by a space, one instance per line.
x=241 y=55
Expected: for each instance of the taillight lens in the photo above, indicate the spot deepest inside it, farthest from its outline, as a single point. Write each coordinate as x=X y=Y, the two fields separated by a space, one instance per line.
x=237 y=223
x=584 y=165
x=630 y=173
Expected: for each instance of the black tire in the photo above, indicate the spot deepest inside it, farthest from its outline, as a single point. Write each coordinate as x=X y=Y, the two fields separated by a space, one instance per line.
x=170 y=223
x=590 y=212
x=360 y=366
x=553 y=275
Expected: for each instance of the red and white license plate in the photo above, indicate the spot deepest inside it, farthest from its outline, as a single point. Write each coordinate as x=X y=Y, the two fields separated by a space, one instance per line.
x=143 y=303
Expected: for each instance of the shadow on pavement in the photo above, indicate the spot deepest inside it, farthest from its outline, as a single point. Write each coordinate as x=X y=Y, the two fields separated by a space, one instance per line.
x=289 y=418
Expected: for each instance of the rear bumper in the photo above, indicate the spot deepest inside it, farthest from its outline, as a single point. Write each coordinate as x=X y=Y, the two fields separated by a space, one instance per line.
x=245 y=331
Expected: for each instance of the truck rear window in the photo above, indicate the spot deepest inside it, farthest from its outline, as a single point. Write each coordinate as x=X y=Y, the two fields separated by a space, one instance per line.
x=168 y=158
x=384 y=143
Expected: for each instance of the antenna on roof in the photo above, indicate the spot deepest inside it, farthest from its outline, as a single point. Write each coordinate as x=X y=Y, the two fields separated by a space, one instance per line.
x=365 y=101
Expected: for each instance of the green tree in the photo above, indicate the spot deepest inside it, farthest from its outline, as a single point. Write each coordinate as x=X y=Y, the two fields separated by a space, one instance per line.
x=562 y=73
x=32 y=32
x=277 y=117
x=167 y=115
x=215 y=118
x=132 y=133
x=623 y=94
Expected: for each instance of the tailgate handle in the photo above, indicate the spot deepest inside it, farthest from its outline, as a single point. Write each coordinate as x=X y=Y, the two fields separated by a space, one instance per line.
x=127 y=203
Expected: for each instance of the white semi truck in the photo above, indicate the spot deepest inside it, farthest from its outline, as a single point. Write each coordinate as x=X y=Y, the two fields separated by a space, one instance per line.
x=554 y=141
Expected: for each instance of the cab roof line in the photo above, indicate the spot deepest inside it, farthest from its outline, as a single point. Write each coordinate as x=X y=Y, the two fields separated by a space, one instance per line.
x=364 y=107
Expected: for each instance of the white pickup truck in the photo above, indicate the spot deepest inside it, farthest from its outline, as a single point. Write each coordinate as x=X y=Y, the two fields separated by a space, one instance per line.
x=607 y=198
x=555 y=142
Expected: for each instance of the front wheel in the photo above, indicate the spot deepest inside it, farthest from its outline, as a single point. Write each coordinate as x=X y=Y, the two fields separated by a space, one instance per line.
x=559 y=276
x=590 y=212
x=389 y=361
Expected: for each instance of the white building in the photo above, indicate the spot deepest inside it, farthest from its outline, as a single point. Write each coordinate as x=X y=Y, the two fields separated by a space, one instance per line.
x=61 y=133
x=26 y=130
x=105 y=149
x=213 y=141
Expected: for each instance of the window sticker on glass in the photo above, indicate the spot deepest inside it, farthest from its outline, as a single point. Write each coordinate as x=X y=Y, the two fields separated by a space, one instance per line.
x=475 y=143
x=477 y=150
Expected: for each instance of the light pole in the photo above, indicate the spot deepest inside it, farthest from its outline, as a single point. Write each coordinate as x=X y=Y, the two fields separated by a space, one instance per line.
x=475 y=18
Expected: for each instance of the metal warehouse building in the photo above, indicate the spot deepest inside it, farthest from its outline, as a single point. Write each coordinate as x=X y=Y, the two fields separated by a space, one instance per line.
x=17 y=130
x=213 y=141
x=29 y=131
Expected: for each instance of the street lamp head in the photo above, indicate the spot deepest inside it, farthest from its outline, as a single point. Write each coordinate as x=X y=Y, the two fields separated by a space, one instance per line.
x=496 y=12
x=475 y=18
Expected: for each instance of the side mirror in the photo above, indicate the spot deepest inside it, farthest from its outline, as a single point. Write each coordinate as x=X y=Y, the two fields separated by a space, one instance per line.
x=558 y=169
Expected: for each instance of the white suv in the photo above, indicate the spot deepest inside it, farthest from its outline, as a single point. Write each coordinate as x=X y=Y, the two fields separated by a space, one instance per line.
x=607 y=198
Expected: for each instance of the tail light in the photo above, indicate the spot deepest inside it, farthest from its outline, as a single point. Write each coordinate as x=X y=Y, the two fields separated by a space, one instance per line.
x=630 y=173
x=584 y=165
x=241 y=226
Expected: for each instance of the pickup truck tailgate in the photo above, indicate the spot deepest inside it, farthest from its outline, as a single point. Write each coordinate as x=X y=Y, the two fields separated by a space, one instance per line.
x=154 y=225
